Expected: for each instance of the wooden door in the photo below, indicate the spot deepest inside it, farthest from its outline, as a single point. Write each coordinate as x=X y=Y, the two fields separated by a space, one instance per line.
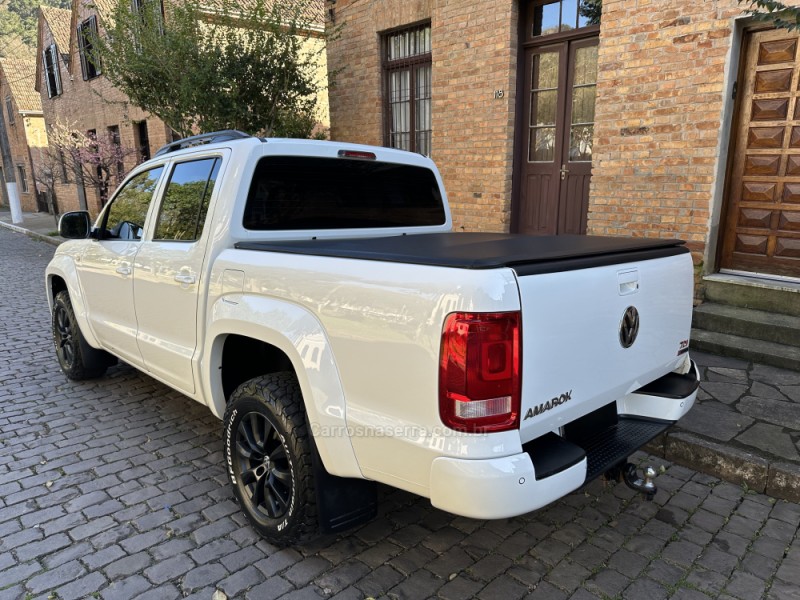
x=556 y=157
x=762 y=223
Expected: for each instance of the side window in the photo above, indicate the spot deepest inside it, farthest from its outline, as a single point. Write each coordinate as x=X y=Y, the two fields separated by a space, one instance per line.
x=126 y=215
x=185 y=204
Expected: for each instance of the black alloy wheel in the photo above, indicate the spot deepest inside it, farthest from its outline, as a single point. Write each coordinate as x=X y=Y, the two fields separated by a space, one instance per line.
x=264 y=475
x=63 y=335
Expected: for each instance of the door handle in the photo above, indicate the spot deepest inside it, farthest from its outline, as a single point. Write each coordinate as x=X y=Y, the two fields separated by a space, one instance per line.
x=185 y=278
x=564 y=170
x=124 y=269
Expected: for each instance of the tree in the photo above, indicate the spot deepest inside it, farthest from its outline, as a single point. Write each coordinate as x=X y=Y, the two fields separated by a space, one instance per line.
x=92 y=158
x=776 y=13
x=247 y=66
x=18 y=23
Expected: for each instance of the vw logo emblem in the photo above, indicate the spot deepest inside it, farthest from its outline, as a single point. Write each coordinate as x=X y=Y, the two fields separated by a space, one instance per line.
x=629 y=327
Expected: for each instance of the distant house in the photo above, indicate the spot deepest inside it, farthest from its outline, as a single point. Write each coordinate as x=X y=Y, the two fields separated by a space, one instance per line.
x=664 y=119
x=24 y=126
x=75 y=93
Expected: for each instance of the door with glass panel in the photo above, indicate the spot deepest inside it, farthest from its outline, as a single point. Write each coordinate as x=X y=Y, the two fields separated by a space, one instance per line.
x=557 y=127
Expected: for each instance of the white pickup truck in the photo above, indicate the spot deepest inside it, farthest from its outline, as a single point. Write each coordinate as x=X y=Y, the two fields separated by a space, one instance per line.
x=313 y=296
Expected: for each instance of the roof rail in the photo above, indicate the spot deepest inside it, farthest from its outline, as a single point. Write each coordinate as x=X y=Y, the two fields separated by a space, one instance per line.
x=203 y=138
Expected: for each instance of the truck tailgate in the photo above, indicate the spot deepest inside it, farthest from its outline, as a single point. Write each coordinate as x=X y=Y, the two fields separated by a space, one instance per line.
x=573 y=358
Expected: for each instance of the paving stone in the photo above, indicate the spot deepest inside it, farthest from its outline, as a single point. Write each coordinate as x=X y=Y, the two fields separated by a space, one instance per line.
x=681 y=553
x=171 y=568
x=273 y=587
x=459 y=588
x=774 y=375
x=589 y=555
x=737 y=374
x=689 y=594
x=202 y=576
x=551 y=551
x=128 y=565
x=707 y=581
x=778 y=530
x=379 y=581
x=412 y=559
x=567 y=576
x=103 y=557
x=645 y=588
x=725 y=392
x=782 y=591
x=791 y=391
x=665 y=573
x=126 y=589
x=303 y=572
x=731 y=543
x=716 y=560
x=786 y=511
x=711 y=421
x=745 y=586
x=84 y=587
x=770 y=438
x=608 y=583
x=453 y=561
x=56 y=577
x=213 y=551
x=747 y=528
x=784 y=414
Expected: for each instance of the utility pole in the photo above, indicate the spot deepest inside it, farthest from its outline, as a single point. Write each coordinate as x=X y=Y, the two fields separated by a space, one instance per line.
x=8 y=168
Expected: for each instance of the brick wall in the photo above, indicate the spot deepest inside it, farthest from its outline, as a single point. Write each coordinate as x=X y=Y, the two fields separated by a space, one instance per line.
x=473 y=54
x=660 y=101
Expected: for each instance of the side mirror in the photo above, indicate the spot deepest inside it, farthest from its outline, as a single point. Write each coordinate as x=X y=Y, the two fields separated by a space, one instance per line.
x=74 y=225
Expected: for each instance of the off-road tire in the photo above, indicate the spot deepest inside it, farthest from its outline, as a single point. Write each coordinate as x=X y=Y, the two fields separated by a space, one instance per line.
x=277 y=461
x=77 y=359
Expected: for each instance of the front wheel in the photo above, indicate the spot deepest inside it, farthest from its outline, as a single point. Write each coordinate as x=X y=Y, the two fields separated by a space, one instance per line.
x=268 y=456
x=77 y=359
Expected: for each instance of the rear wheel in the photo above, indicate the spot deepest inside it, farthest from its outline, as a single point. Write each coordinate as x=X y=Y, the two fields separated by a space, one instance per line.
x=77 y=359
x=268 y=455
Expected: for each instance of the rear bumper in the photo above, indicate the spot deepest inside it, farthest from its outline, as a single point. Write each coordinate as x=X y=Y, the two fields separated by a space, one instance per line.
x=551 y=467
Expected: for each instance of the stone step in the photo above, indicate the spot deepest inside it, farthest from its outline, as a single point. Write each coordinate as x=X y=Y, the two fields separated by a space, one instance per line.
x=752 y=292
x=768 y=353
x=748 y=323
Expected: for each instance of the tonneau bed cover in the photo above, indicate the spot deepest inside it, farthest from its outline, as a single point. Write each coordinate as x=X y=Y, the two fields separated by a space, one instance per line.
x=525 y=254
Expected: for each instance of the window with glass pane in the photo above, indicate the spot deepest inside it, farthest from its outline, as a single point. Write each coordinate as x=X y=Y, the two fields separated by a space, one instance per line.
x=563 y=15
x=583 y=97
x=185 y=204
x=408 y=92
x=544 y=96
x=126 y=215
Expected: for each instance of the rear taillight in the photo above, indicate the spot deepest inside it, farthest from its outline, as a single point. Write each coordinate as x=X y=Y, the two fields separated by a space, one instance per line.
x=479 y=372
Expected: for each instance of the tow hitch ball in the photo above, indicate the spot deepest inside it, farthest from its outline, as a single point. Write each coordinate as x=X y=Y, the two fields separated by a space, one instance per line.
x=628 y=474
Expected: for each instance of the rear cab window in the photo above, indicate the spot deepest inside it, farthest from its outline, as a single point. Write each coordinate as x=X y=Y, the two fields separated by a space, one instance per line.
x=306 y=193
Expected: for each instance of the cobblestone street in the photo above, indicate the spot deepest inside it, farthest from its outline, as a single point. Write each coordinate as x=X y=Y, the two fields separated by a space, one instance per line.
x=115 y=489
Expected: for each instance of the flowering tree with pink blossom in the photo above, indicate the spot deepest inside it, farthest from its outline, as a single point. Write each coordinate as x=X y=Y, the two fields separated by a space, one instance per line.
x=97 y=160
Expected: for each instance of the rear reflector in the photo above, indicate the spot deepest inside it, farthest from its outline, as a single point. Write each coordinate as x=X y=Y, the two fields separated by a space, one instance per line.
x=356 y=154
x=479 y=372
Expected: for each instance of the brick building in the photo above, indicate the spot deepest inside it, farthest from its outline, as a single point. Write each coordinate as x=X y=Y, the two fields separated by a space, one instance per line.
x=24 y=126
x=670 y=118
x=75 y=94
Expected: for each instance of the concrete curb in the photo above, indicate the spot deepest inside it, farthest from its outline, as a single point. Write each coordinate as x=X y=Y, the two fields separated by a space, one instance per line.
x=778 y=479
x=55 y=241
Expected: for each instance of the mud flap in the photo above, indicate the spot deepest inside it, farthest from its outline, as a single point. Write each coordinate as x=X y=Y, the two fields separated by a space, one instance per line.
x=342 y=502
